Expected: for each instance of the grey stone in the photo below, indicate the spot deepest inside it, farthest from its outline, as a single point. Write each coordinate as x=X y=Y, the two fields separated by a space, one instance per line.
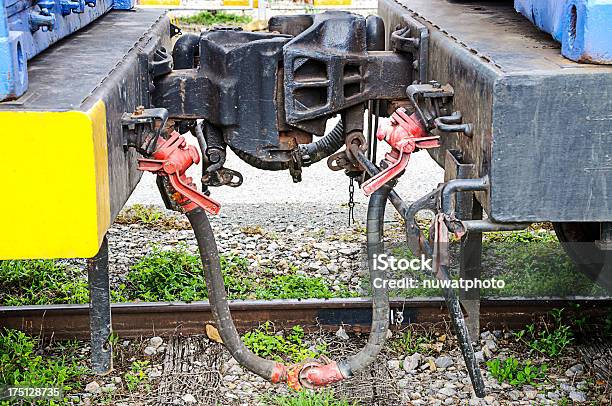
x=491 y=345
x=514 y=395
x=92 y=387
x=108 y=388
x=412 y=362
x=393 y=364
x=448 y=392
x=156 y=342
x=575 y=370
x=479 y=355
x=150 y=351
x=444 y=362
x=341 y=333
x=577 y=396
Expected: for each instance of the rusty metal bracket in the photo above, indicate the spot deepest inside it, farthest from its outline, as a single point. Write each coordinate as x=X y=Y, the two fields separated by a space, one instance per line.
x=142 y=128
x=222 y=177
x=431 y=100
x=413 y=38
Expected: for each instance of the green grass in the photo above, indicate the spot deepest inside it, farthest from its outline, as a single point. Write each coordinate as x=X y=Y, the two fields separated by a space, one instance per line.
x=162 y=275
x=40 y=282
x=296 y=287
x=410 y=342
x=264 y=342
x=137 y=377
x=216 y=18
x=176 y=275
x=548 y=340
x=151 y=216
x=515 y=372
x=307 y=398
x=21 y=365
x=531 y=262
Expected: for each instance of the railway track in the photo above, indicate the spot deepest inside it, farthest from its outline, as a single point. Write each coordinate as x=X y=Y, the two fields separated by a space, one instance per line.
x=168 y=319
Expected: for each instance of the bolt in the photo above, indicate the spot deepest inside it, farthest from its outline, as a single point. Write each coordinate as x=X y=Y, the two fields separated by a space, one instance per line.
x=214 y=157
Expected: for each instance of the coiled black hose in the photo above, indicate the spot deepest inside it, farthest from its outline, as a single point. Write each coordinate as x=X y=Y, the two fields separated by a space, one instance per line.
x=318 y=150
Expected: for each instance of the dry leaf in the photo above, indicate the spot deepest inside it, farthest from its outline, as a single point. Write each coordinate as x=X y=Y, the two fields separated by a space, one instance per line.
x=213 y=333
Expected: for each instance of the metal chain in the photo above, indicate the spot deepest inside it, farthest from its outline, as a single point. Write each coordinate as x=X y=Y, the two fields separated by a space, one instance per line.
x=351 y=202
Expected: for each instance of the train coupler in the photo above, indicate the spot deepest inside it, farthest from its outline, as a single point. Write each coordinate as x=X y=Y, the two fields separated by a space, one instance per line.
x=170 y=160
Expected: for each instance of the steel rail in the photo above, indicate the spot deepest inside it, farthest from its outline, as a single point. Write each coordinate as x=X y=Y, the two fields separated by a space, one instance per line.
x=167 y=319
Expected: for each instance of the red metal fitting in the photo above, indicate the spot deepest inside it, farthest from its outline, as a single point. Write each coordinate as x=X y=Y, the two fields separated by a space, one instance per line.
x=172 y=158
x=315 y=375
x=279 y=373
x=404 y=134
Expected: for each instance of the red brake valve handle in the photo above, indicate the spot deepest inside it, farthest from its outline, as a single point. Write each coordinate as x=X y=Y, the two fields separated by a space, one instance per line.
x=172 y=158
x=404 y=134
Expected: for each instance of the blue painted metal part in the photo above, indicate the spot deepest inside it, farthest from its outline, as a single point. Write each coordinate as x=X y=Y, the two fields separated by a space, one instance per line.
x=28 y=27
x=584 y=27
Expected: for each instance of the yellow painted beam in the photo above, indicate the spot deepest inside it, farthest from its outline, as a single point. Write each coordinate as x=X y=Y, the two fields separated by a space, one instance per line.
x=159 y=2
x=323 y=3
x=240 y=3
x=55 y=187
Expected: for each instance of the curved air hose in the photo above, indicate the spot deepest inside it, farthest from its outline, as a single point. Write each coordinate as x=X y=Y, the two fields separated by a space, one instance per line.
x=218 y=298
x=380 y=297
x=318 y=374
x=318 y=150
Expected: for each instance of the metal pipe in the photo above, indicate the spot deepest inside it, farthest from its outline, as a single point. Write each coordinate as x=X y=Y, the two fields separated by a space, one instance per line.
x=483 y=226
x=461 y=185
x=310 y=374
x=452 y=124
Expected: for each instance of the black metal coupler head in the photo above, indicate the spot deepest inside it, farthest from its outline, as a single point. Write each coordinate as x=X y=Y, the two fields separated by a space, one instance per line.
x=255 y=86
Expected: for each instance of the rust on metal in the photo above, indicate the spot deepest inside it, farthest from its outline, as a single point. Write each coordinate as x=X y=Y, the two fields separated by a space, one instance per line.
x=168 y=319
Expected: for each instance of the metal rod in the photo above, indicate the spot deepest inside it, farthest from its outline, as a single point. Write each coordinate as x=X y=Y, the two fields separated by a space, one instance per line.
x=470 y=264
x=374 y=139
x=100 y=323
x=369 y=135
x=461 y=185
x=483 y=226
